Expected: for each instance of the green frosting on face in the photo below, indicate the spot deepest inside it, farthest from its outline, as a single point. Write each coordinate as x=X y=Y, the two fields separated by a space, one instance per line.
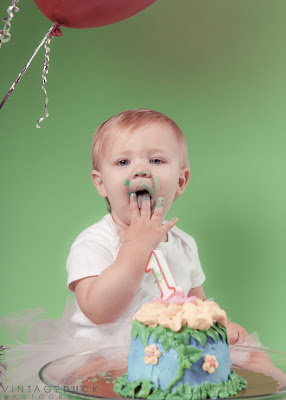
x=156 y=182
x=148 y=188
x=127 y=183
x=144 y=389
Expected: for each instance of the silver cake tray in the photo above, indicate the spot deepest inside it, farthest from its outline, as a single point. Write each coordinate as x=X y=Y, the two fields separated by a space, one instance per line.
x=90 y=374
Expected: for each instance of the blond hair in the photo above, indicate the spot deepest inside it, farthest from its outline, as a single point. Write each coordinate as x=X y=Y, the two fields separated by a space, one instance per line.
x=127 y=121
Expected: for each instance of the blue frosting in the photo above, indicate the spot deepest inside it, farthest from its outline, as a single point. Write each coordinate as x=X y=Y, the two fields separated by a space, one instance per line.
x=163 y=373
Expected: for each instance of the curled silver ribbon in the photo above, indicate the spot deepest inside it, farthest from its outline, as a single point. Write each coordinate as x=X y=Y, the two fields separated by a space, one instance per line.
x=6 y=30
x=25 y=68
x=44 y=81
x=55 y=30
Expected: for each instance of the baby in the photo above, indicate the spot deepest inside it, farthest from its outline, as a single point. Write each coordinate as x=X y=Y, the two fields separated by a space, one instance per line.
x=140 y=166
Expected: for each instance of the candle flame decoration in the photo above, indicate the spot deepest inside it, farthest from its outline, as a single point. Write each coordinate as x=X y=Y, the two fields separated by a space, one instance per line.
x=157 y=264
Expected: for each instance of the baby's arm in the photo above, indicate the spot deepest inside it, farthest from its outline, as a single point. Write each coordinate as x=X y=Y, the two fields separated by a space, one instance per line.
x=103 y=299
x=198 y=292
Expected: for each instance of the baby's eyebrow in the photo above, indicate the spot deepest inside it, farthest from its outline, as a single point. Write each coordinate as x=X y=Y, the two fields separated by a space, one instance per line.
x=157 y=150
x=159 y=153
x=126 y=153
x=151 y=151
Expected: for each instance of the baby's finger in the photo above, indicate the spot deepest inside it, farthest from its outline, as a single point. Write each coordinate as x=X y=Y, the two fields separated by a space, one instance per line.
x=134 y=209
x=169 y=225
x=146 y=207
x=158 y=209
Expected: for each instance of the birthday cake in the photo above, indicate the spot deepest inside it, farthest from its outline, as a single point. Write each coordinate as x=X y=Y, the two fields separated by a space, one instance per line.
x=179 y=346
x=179 y=349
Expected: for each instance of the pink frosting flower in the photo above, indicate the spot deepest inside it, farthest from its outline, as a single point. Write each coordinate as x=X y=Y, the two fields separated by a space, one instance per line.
x=152 y=354
x=210 y=364
x=176 y=298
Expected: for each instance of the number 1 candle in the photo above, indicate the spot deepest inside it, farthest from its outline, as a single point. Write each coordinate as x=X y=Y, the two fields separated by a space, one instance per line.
x=157 y=263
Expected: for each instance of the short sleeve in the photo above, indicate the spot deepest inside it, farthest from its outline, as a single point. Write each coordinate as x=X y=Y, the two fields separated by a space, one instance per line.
x=184 y=257
x=197 y=274
x=90 y=254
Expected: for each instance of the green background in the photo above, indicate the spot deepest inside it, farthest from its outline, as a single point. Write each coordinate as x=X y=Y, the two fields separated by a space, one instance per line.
x=218 y=69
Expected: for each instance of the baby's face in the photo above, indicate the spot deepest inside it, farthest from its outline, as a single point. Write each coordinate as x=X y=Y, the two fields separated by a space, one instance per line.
x=146 y=161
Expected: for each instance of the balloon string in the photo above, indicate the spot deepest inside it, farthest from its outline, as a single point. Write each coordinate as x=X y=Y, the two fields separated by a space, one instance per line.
x=6 y=30
x=54 y=31
x=3 y=367
x=44 y=81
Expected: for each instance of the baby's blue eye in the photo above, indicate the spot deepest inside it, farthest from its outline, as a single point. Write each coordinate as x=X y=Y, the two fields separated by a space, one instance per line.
x=123 y=162
x=156 y=161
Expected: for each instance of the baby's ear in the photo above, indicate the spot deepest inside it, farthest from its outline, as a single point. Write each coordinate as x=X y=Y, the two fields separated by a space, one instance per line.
x=184 y=178
x=98 y=182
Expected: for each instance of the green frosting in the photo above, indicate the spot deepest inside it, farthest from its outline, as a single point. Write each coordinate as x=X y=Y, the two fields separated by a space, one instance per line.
x=169 y=338
x=188 y=355
x=144 y=185
x=144 y=389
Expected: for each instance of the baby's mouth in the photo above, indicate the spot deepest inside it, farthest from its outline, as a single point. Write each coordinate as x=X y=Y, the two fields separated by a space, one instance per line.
x=142 y=191
x=140 y=196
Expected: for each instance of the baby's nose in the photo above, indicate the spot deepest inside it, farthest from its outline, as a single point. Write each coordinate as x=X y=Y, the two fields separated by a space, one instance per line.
x=141 y=172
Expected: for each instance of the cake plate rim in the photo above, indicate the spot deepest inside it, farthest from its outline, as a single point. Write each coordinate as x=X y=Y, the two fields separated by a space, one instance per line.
x=71 y=394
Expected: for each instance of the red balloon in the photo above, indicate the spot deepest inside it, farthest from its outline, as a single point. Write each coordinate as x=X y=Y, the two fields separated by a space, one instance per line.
x=90 y=13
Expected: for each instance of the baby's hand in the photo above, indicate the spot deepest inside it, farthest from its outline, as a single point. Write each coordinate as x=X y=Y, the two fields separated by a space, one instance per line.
x=236 y=333
x=145 y=230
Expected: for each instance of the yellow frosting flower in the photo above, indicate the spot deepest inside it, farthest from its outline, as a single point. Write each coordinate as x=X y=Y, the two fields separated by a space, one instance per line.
x=210 y=364
x=152 y=354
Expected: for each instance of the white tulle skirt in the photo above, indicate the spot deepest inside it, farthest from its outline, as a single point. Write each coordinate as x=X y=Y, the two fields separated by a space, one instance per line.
x=40 y=340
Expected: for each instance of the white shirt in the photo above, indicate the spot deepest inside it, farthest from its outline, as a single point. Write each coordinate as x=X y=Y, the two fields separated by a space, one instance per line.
x=96 y=248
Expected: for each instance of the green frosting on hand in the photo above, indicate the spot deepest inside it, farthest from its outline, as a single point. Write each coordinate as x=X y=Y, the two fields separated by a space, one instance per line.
x=144 y=389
